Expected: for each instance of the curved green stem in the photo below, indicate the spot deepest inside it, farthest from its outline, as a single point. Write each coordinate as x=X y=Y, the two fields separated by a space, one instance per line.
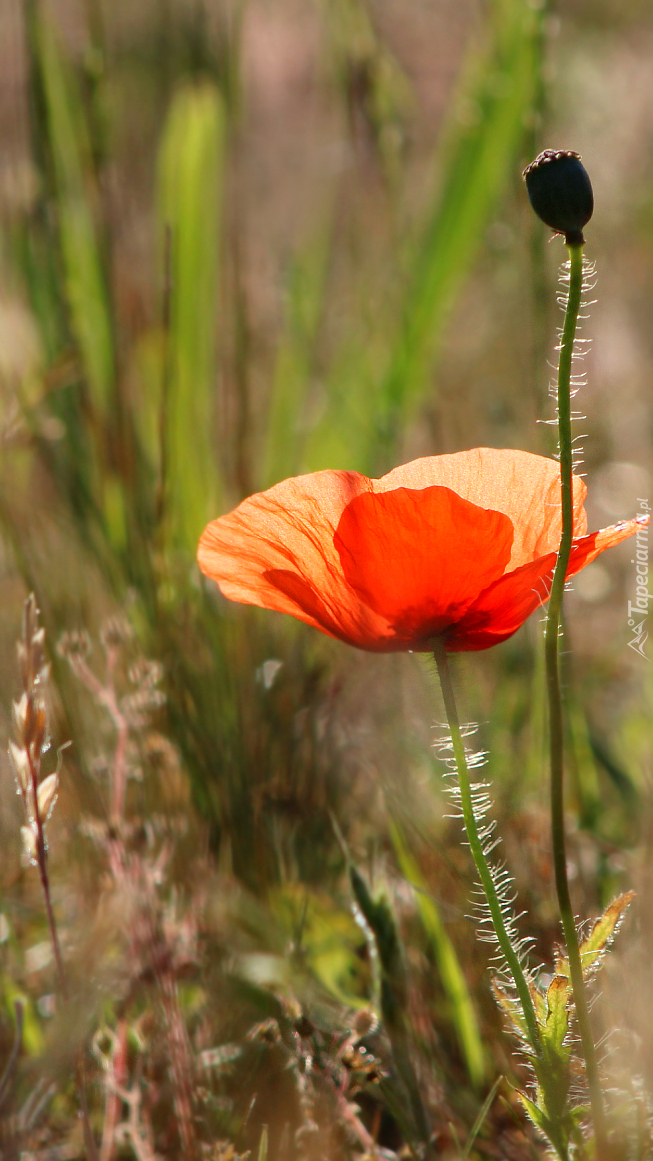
x=476 y=847
x=556 y=729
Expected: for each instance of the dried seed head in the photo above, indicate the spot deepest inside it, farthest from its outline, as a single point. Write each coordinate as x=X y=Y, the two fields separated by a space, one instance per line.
x=115 y=632
x=364 y=1022
x=23 y=661
x=30 y=807
x=30 y=614
x=303 y=1026
x=268 y=1031
x=20 y=712
x=30 y=843
x=20 y=762
x=75 y=644
x=47 y=795
x=145 y=672
x=31 y=647
x=560 y=192
x=35 y=727
x=138 y=706
x=36 y=649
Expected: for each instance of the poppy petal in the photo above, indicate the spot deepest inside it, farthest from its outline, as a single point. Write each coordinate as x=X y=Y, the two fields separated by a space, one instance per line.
x=382 y=564
x=420 y=557
x=306 y=604
x=506 y=604
x=276 y=550
x=525 y=487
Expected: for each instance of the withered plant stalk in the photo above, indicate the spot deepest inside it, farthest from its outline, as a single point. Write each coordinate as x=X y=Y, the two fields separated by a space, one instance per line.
x=30 y=723
x=150 y=948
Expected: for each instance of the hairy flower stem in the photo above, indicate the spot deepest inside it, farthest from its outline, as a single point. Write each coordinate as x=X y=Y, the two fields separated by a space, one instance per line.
x=478 y=854
x=556 y=730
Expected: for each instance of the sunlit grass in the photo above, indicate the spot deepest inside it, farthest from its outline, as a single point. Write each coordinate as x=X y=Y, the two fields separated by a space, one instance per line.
x=193 y=346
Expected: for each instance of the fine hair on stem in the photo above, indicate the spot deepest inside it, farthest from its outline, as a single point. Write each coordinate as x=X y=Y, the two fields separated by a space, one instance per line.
x=552 y=661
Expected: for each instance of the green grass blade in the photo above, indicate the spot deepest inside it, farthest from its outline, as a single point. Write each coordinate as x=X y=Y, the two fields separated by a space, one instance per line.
x=86 y=289
x=394 y=992
x=451 y=974
x=478 y=1123
x=377 y=383
x=263 y=1144
x=63 y=146
x=292 y=373
x=190 y=187
x=478 y=154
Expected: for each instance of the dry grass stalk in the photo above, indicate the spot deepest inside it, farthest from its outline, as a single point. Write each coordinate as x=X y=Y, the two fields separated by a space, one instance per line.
x=38 y=796
x=152 y=950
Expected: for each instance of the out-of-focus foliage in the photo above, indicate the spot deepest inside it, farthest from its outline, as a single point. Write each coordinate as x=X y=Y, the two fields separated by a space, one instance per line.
x=240 y=241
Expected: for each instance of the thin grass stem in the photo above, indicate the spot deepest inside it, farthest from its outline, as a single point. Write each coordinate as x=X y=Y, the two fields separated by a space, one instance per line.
x=478 y=854
x=80 y=1068
x=42 y=861
x=556 y=729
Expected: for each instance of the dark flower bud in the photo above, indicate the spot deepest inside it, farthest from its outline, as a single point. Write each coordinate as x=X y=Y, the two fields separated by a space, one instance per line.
x=560 y=192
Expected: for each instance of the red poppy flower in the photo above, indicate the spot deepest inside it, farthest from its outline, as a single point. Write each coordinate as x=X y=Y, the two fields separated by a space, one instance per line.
x=462 y=546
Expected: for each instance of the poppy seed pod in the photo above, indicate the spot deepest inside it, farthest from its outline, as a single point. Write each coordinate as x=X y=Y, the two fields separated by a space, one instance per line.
x=560 y=192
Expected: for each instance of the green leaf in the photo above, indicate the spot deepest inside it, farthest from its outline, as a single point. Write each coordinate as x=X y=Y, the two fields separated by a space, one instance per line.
x=603 y=932
x=561 y=965
x=538 y=1117
x=85 y=283
x=557 y=1132
x=378 y=914
x=539 y=1003
x=451 y=973
x=294 y=361
x=32 y=1037
x=69 y=173
x=557 y=1020
x=480 y=145
x=478 y=1123
x=358 y=49
x=263 y=1144
x=392 y=364
x=512 y=1009
x=394 y=991
x=190 y=188
x=328 y=936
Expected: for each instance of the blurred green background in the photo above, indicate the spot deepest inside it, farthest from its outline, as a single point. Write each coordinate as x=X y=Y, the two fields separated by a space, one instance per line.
x=240 y=240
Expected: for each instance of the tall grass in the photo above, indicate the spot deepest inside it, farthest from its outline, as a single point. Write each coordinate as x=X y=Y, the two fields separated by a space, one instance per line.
x=144 y=456
x=163 y=394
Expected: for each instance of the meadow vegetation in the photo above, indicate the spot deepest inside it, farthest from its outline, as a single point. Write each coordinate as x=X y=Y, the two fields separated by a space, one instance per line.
x=241 y=241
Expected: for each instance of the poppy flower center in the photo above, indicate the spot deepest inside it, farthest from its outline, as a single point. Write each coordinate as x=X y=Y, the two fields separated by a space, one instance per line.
x=419 y=557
